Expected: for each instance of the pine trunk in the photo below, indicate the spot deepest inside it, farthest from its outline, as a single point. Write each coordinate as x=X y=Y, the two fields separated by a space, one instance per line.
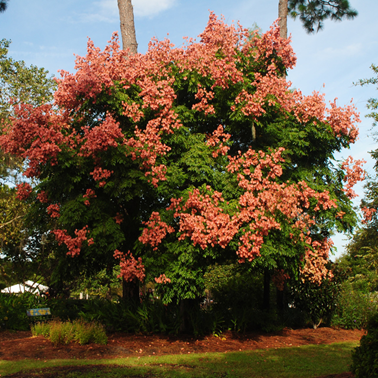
x=282 y=14
x=126 y=15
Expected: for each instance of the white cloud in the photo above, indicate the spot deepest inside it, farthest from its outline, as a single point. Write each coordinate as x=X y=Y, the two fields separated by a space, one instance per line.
x=346 y=51
x=150 y=8
x=107 y=10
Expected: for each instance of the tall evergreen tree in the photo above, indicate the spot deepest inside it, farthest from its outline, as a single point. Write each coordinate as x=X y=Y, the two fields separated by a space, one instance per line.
x=312 y=13
x=3 y=5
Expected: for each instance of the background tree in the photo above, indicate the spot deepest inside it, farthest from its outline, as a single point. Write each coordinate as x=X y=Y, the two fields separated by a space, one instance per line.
x=362 y=252
x=312 y=13
x=18 y=84
x=3 y=5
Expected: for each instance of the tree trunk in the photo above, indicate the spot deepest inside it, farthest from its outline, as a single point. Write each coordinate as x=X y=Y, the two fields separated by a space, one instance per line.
x=282 y=14
x=266 y=298
x=130 y=291
x=282 y=299
x=185 y=306
x=126 y=16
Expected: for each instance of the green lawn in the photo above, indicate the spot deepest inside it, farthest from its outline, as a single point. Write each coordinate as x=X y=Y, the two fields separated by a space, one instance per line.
x=302 y=362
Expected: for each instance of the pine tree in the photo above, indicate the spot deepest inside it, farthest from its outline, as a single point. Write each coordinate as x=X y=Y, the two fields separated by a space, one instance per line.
x=313 y=13
x=3 y=5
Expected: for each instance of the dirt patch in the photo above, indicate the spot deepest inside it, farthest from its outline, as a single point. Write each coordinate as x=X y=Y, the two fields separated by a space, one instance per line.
x=22 y=345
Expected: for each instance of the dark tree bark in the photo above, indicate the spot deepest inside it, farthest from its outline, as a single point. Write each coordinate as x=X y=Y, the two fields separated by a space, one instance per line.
x=266 y=298
x=185 y=306
x=130 y=291
x=126 y=15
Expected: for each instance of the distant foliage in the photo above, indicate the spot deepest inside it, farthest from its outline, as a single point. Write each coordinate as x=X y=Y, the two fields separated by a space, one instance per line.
x=354 y=308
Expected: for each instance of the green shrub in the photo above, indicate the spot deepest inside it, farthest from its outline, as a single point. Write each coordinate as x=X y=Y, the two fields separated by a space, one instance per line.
x=365 y=357
x=89 y=332
x=56 y=335
x=64 y=332
x=41 y=329
x=354 y=308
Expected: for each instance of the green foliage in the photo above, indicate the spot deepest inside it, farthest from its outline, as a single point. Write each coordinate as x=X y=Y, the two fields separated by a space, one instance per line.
x=13 y=309
x=354 y=308
x=372 y=103
x=20 y=243
x=102 y=284
x=365 y=356
x=41 y=329
x=361 y=256
x=65 y=332
x=312 y=13
x=232 y=285
x=318 y=301
x=146 y=317
x=29 y=85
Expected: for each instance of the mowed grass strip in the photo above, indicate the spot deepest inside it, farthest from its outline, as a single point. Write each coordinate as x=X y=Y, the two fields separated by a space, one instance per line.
x=305 y=361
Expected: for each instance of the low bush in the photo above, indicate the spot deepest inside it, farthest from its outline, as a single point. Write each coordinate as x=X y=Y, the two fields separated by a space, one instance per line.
x=41 y=329
x=365 y=357
x=65 y=332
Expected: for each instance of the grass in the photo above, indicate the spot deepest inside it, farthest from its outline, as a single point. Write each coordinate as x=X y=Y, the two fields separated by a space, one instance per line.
x=307 y=361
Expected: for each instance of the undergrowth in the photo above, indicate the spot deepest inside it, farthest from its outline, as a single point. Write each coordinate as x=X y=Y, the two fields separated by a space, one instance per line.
x=65 y=332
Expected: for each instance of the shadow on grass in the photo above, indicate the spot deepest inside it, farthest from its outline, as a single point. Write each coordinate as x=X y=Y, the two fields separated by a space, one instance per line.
x=295 y=362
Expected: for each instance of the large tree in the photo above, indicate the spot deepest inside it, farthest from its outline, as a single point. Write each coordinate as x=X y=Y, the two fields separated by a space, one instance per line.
x=149 y=160
x=312 y=13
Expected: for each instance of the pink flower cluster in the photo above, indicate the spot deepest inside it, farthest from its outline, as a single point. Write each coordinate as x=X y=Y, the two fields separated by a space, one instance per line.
x=90 y=193
x=23 y=191
x=54 y=211
x=162 y=279
x=131 y=269
x=73 y=244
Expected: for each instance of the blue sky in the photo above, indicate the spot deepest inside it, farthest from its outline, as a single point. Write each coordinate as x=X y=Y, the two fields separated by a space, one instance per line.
x=47 y=33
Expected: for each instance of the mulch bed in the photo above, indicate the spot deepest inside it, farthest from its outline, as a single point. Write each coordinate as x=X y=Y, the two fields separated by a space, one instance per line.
x=15 y=346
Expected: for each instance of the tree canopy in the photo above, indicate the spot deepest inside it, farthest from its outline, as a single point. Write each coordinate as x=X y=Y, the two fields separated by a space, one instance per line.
x=3 y=5
x=312 y=13
x=150 y=160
